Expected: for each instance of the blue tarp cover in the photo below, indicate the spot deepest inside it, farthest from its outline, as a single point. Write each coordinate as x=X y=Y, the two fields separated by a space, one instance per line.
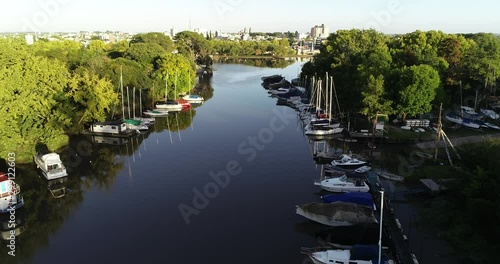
x=360 y=198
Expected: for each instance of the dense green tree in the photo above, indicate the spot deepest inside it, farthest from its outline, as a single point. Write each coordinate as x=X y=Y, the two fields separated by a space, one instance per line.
x=417 y=89
x=374 y=98
x=483 y=60
x=92 y=97
x=155 y=38
x=194 y=46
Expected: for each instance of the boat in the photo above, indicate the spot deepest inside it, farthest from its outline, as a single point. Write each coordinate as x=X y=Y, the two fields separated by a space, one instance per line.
x=132 y=122
x=193 y=98
x=156 y=113
x=387 y=175
x=337 y=213
x=117 y=141
x=469 y=123
x=362 y=169
x=358 y=254
x=490 y=114
x=469 y=111
x=51 y=165
x=493 y=126
x=113 y=128
x=348 y=161
x=272 y=78
x=360 y=198
x=322 y=130
x=10 y=199
x=343 y=184
x=169 y=105
x=408 y=128
x=454 y=118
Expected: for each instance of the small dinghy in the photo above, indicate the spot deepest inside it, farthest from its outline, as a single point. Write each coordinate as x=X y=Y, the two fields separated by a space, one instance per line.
x=363 y=169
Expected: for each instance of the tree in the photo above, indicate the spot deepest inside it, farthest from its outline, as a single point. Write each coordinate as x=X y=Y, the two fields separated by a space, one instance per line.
x=155 y=38
x=194 y=46
x=374 y=98
x=416 y=88
x=92 y=97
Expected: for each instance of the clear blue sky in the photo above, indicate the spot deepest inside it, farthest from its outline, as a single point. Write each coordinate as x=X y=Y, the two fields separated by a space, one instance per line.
x=233 y=15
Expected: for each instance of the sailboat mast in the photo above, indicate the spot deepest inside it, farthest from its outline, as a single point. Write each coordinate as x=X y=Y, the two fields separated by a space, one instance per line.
x=166 y=86
x=133 y=101
x=140 y=100
x=439 y=132
x=121 y=86
x=128 y=103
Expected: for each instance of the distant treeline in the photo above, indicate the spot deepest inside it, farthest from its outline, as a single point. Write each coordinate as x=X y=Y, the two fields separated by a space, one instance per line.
x=408 y=74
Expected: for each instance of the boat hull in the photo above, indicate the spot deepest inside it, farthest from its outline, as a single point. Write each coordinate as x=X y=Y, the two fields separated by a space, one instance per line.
x=337 y=214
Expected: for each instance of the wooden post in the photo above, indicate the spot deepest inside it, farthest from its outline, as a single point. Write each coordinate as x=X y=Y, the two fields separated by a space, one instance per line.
x=438 y=134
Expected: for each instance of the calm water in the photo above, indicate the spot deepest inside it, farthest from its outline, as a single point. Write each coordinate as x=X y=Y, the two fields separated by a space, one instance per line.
x=122 y=202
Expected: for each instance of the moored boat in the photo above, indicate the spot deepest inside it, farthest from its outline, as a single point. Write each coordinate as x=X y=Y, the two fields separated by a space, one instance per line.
x=10 y=198
x=343 y=184
x=489 y=113
x=362 y=169
x=337 y=213
x=358 y=254
x=51 y=165
x=454 y=118
x=390 y=176
x=348 y=162
x=360 y=198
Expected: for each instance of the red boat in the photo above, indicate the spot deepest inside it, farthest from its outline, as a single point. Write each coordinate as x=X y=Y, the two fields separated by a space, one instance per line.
x=184 y=103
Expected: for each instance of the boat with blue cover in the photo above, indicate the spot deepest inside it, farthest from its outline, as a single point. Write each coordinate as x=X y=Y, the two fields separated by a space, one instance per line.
x=360 y=198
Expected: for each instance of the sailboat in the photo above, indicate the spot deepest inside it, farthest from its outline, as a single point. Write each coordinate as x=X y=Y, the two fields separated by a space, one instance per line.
x=134 y=124
x=168 y=105
x=322 y=124
x=192 y=98
x=145 y=120
x=128 y=122
x=185 y=103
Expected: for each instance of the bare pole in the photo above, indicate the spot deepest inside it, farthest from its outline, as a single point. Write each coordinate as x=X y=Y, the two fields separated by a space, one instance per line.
x=380 y=228
x=128 y=103
x=439 y=131
x=140 y=100
x=133 y=101
x=121 y=86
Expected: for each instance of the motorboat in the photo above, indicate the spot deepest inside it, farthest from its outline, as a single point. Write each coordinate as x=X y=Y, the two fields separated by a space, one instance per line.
x=469 y=123
x=343 y=184
x=156 y=113
x=363 y=169
x=10 y=198
x=348 y=162
x=193 y=98
x=358 y=254
x=490 y=114
x=337 y=213
x=493 y=126
x=51 y=165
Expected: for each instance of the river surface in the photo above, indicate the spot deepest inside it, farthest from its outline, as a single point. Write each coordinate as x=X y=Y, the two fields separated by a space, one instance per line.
x=155 y=199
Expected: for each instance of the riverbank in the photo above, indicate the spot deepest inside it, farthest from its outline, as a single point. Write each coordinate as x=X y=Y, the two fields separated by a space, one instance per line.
x=225 y=57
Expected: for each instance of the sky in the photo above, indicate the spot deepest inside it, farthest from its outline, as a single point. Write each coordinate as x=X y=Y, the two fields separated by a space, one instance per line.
x=388 y=16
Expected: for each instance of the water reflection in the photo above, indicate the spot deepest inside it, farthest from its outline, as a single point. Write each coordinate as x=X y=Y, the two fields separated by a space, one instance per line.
x=264 y=63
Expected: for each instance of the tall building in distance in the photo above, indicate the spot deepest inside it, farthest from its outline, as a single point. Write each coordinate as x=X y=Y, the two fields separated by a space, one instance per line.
x=319 y=32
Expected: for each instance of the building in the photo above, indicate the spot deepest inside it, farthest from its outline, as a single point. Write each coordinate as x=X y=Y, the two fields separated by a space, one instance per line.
x=320 y=31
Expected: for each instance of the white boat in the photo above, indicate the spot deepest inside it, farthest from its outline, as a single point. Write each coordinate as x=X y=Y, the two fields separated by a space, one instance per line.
x=337 y=213
x=490 y=125
x=469 y=110
x=156 y=113
x=348 y=161
x=358 y=254
x=363 y=169
x=343 y=184
x=51 y=165
x=322 y=130
x=406 y=128
x=390 y=176
x=490 y=113
x=169 y=106
x=280 y=91
x=470 y=123
x=137 y=127
x=110 y=128
x=193 y=98
x=10 y=199
x=452 y=117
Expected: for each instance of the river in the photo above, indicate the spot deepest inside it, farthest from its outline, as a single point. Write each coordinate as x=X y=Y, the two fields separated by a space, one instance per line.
x=217 y=184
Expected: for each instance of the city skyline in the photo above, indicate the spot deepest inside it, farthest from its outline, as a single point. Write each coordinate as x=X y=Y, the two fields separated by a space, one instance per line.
x=390 y=16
